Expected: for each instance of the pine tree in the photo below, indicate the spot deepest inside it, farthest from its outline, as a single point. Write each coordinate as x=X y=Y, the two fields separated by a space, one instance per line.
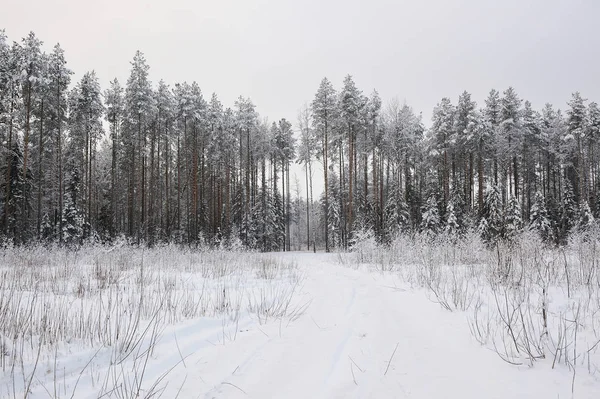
x=289 y=154
x=324 y=113
x=593 y=141
x=443 y=140
x=375 y=134
x=306 y=155
x=85 y=125
x=113 y=97
x=492 y=120
x=31 y=70
x=466 y=144
x=10 y=112
x=477 y=133
x=510 y=140
x=531 y=128
x=246 y=121
x=573 y=145
x=60 y=79
x=351 y=106
x=138 y=109
x=198 y=119
x=42 y=145
x=217 y=162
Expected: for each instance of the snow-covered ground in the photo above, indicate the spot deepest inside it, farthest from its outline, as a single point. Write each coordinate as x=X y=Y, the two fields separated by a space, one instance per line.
x=345 y=330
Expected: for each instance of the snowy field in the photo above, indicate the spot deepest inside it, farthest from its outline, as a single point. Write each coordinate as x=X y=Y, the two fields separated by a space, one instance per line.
x=416 y=320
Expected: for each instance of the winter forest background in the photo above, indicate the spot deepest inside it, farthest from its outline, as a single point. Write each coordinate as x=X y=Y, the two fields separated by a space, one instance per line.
x=157 y=163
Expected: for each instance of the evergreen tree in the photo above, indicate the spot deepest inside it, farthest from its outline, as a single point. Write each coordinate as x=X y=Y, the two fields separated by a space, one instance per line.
x=18 y=204
x=531 y=137
x=307 y=152
x=510 y=143
x=395 y=214
x=538 y=220
x=430 y=219
x=569 y=214
x=351 y=105
x=452 y=228
x=443 y=140
x=11 y=103
x=72 y=219
x=459 y=208
x=60 y=78
x=113 y=97
x=31 y=67
x=513 y=223
x=493 y=216
x=465 y=127
x=324 y=113
x=586 y=219
x=85 y=128
x=333 y=218
x=573 y=145
x=138 y=109
x=492 y=119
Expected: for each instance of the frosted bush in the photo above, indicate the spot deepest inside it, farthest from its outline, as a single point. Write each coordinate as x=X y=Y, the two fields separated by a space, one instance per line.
x=364 y=245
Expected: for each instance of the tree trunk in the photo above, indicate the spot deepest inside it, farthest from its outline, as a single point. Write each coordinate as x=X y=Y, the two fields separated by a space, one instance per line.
x=40 y=172
x=152 y=188
x=283 y=207
x=288 y=209
x=142 y=155
x=326 y=213
x=480 y=181
x=307 y=209
x=89 y=176
x=264 y=202
x=7 y=200
x=350 y=177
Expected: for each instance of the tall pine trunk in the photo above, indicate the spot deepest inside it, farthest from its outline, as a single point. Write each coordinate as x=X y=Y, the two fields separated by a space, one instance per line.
x=40 y=172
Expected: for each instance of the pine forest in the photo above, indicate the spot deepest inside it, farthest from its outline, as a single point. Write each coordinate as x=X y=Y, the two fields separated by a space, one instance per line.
x=155 y=162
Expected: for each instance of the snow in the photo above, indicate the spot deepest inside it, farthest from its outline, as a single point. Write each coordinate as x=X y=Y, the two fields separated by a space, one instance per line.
x=350 y=332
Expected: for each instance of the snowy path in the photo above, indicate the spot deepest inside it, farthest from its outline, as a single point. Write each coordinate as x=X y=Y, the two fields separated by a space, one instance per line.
x=341 y=346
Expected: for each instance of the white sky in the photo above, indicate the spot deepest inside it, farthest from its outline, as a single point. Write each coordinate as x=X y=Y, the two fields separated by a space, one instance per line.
x=276 y=52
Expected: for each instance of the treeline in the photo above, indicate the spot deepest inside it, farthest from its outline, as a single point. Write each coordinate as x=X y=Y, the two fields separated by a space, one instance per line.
x=149 y=162
x=159 y=163
x=496 y=169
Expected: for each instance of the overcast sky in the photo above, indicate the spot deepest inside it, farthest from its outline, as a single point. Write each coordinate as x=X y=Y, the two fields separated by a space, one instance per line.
x=276 y=52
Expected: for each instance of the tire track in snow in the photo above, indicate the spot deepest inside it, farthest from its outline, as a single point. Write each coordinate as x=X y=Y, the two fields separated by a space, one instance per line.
x=344 y=341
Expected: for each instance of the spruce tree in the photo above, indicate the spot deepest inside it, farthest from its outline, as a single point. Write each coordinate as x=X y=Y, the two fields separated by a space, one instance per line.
x=569 y=213
x=395 y=214
x=430 y=219
x=451 y=228
x=513 y=223
x=493 y=215
x=538 y=221
x=18 y=205
x=586 y=218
